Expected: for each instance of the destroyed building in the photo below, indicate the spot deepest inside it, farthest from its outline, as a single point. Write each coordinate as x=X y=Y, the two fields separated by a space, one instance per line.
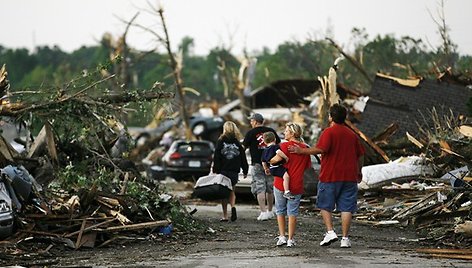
x=406 y=102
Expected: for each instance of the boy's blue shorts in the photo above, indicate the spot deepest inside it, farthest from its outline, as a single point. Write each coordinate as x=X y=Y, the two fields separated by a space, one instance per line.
x=339 y=195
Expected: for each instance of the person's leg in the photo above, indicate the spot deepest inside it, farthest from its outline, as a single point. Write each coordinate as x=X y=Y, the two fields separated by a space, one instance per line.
x=286 y=178
x=232 y=199
x=327 y=219
x=269 y=182
x=261 y=200
x=347 y=204
x=346 y=218
x=292 y=224
x=281 y=211
x=259 y=186
x=293 y=206
x=224 y=206
x=270 y=201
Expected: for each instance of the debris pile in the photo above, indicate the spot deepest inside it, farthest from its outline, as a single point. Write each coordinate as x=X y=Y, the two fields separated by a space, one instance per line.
x=71 y=185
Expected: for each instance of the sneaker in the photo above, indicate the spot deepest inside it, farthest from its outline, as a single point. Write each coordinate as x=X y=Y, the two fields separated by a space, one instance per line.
x=281 y=240
x=328 y=239
x=265 y=216
x=234 y=216
x=271 y=214
x=345 y=242
x=289 y=195
x=291 y=243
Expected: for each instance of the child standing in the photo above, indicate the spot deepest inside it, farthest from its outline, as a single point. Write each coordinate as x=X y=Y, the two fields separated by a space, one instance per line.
x=277 y=169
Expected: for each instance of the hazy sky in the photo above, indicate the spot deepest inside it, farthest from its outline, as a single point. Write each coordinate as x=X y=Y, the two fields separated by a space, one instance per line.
x=253 y=24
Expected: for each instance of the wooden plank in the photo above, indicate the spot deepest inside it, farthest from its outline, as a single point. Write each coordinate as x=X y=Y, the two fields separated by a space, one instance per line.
x=91 y=227
x=452 y=256
x=88 y=240
x=38 y=142
x=50 y=143
x=79 y=238
x=136 y=226
x=7 y=150
x=467 y=251
x=414 y=141
x=403 y=213
x=368 y=141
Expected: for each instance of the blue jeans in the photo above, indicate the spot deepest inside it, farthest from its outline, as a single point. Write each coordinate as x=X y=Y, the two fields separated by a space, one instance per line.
x=339 y=195
x=284 y=206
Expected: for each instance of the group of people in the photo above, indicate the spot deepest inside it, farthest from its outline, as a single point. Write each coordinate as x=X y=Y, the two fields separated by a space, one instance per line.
x=278 y=168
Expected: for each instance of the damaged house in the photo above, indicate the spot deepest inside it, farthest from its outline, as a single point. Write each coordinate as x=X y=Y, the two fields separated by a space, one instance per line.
x=408 y=102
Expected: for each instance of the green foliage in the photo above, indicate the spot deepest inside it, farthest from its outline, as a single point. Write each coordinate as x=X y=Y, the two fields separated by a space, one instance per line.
x=402 y=57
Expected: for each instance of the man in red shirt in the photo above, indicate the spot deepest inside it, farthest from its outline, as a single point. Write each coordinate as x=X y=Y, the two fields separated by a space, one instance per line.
x=341 y=163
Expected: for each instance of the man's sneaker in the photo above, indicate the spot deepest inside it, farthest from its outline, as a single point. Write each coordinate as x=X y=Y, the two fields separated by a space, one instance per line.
x=289 y=195
x=263 y=216
x=345 y=242
x=271 y=214
x=281 y=240
x=291 y=243
x=328 y=239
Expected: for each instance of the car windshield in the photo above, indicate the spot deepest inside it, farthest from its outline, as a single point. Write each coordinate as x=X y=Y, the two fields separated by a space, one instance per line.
x=200 y=149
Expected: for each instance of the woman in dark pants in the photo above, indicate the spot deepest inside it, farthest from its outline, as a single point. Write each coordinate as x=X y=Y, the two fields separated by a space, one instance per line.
x=229 y=158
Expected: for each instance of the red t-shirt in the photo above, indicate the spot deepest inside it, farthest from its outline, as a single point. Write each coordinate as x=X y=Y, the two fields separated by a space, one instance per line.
x=342 y=150
x=296 y=165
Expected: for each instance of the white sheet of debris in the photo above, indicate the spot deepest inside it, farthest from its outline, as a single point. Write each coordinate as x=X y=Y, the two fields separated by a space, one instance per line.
x=400 y=168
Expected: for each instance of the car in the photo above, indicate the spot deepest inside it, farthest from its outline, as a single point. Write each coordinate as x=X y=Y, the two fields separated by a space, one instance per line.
x=204 y=127
x=310 y=178
x=6 y=212
x=188 y=159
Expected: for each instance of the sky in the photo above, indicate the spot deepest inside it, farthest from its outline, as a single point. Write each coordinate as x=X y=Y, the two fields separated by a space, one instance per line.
x=239 y=24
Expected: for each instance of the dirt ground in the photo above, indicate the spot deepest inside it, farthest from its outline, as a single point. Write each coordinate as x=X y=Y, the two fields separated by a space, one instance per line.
x=251 y=243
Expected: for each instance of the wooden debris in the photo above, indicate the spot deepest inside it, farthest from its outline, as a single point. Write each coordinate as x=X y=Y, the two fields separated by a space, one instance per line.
x=7 y=152
x=414 y=141
x=368 y=141
x=386 y=134
x=463 y=254
x=137 y=226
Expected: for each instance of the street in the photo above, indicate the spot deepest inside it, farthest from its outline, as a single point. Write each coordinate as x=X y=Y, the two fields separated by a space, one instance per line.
x=251 y=243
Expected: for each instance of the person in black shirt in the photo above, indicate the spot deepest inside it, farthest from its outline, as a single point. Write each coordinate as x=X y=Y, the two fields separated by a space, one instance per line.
x=262 y=184
x=229 y=158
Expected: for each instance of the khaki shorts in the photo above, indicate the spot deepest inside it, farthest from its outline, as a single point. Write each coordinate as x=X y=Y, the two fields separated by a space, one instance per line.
x=261 y=183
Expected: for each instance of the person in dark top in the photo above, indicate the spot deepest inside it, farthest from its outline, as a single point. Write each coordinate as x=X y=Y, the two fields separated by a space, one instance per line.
x=229 y=158
x=262 y=184
x=278 y=169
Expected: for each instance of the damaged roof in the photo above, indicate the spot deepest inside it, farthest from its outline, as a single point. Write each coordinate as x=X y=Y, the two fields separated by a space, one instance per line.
x=391 y=101
x=288 y=93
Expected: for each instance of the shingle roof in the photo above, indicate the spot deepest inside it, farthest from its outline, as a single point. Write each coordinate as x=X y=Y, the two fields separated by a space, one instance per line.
x=390 y=102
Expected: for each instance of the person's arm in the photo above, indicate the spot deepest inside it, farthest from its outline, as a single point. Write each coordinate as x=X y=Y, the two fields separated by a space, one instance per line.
x=266 y=168
x=244 y=164
x=298 y=150
x=282 y=154
x=274 y=160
